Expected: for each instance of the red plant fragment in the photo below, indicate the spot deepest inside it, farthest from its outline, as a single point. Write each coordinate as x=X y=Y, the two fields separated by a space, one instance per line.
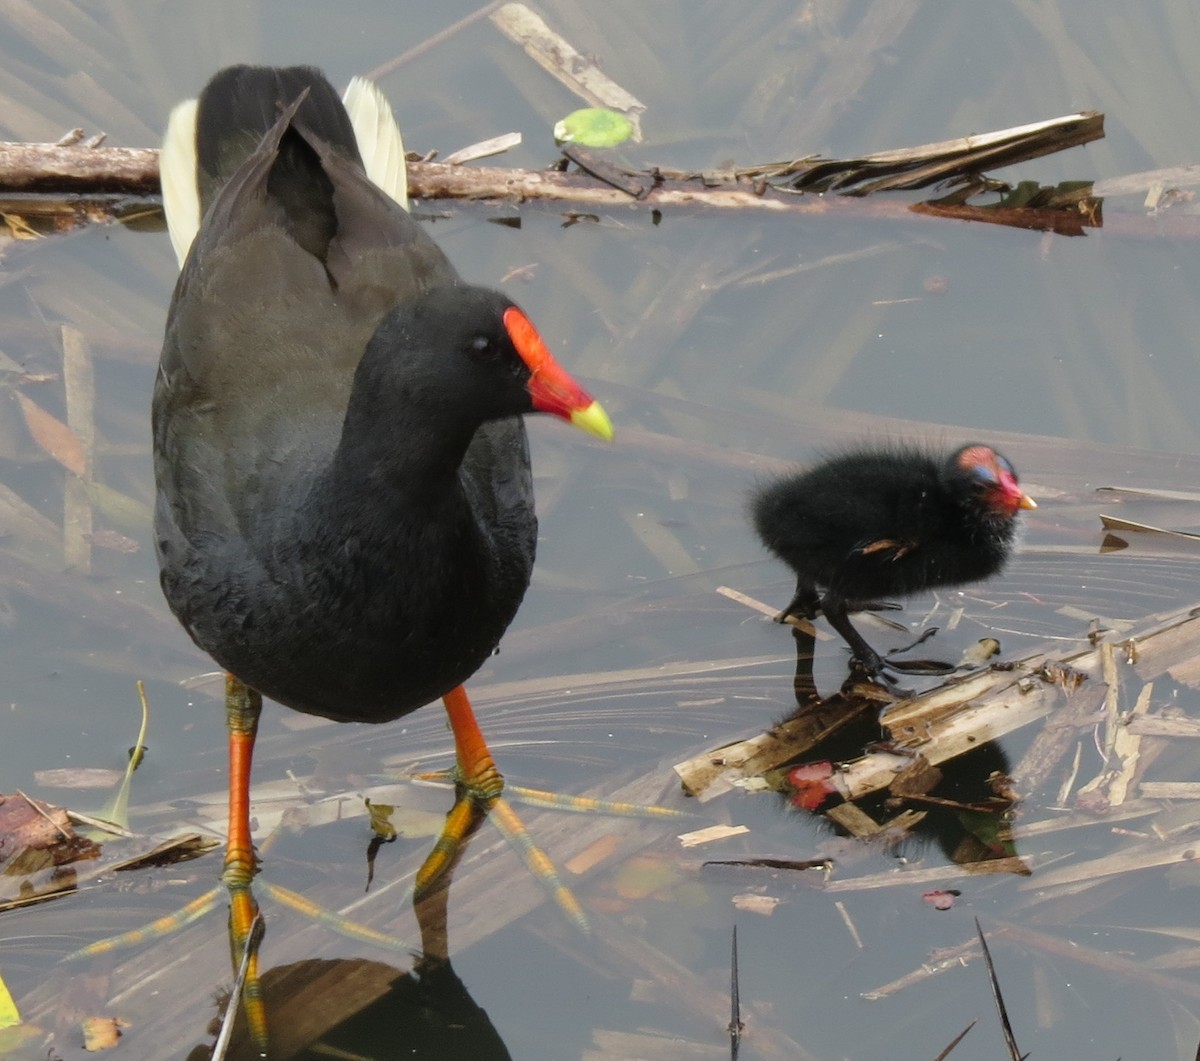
x=942 y=898
x=811 y=784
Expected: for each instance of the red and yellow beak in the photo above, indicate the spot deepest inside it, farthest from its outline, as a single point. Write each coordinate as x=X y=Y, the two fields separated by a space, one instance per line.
x=551 y=387
x=1012 y=493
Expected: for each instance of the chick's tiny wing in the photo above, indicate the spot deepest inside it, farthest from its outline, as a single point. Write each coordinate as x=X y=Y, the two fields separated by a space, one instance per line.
x=885 y=548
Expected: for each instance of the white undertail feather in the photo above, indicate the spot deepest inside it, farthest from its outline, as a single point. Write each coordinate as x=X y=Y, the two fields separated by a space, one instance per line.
x=177 y=173
x=378 y=138
x=375 y=130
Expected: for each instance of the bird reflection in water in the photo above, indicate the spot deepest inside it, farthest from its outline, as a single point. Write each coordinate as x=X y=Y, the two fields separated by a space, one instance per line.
x=963 y=805
x=324 y=1008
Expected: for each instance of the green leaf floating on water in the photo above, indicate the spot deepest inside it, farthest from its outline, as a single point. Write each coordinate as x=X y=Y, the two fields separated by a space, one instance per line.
x=593 y=127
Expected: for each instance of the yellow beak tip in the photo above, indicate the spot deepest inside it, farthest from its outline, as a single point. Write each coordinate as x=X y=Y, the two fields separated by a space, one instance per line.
x=594 y=420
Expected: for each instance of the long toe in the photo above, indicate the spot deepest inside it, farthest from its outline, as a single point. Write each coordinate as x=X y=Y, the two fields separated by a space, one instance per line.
x=873 y=606
x=919 y=666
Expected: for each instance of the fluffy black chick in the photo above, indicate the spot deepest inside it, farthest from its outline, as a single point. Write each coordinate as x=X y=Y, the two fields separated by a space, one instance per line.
x=875 y=523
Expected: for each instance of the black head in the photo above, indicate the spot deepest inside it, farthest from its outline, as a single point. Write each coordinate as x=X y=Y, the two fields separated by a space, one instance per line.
x=462 y=355
x=453 y=338
x=985 y=481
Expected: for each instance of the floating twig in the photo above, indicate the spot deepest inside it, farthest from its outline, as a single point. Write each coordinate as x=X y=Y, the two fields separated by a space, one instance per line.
x=554 y=54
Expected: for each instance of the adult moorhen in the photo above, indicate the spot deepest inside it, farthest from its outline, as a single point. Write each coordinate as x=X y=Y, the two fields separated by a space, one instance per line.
x=873 y=523
x=345 y=516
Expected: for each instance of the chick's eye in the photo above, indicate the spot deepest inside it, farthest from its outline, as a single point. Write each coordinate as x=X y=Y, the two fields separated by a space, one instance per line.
x=483 y=348
x=985 y=475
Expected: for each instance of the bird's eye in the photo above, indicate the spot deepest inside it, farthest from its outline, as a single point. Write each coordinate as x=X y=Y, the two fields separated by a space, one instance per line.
x=985 y=474
x=484 y=348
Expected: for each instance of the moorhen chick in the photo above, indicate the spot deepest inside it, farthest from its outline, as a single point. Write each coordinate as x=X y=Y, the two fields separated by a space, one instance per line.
x=345 y=515
x=873 y=523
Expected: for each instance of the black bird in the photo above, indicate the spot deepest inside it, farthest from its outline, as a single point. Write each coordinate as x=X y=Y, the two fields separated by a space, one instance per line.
x=873 y=523
x=345 y=515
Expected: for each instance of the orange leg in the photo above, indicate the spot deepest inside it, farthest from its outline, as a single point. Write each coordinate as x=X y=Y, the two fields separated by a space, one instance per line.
x=242 y=708
x=476 y=769
x=479 y=785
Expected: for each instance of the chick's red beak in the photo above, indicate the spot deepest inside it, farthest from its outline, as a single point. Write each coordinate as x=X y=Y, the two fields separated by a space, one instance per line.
x=551 y=387
x=1014 y=497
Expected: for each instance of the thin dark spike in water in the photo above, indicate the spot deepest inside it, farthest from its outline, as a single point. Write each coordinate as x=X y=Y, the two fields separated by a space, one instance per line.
x=1013 y=1050
x=955 y=1041
x=735 y=1005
